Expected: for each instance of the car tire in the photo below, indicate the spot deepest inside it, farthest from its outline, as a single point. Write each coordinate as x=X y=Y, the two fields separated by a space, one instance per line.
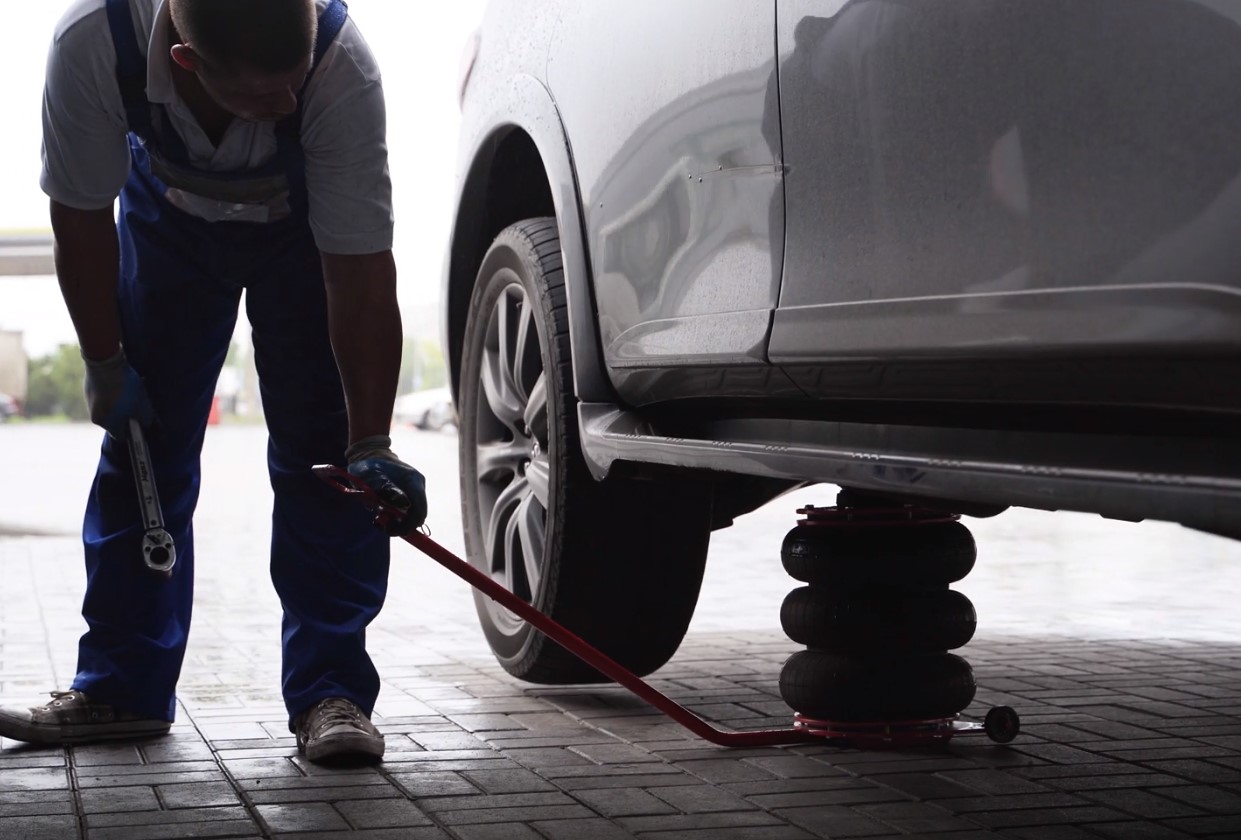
x=879 y=621
x=618 y=562
x=830 y=687
x=917 y=556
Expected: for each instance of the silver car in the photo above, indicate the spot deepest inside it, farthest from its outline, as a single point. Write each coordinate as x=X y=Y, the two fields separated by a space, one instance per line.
x=961 y=254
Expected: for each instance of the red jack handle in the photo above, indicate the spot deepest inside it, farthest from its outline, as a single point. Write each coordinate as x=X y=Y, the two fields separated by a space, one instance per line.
x=579 y=647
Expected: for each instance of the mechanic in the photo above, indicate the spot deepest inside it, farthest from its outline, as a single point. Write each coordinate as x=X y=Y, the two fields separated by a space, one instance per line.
x=246 y=141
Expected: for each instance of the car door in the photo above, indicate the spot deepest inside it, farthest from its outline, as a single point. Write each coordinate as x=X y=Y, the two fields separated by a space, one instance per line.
x=672 y=113
x=984 y=179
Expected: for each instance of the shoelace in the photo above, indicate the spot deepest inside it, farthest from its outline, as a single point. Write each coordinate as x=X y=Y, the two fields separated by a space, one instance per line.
x=58 y=696
x=333 y=712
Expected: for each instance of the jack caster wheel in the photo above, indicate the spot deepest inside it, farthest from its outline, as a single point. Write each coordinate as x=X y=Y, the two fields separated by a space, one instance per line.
x=1002 y=724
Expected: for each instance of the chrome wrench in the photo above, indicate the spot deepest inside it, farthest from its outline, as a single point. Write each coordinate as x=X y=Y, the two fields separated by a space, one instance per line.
x=158 y=551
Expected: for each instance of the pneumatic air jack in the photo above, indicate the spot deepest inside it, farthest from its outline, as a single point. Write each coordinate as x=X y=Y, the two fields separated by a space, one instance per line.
x=159 y=553
x=804 y=731
x=879 y=619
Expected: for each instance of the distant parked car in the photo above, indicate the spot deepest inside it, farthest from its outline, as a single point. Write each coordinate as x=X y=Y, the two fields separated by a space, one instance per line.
x=430 y=410
x=9 y=407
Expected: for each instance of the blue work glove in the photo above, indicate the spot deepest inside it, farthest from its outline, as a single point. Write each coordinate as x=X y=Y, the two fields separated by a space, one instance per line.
x=399 y=485
x=114 y=394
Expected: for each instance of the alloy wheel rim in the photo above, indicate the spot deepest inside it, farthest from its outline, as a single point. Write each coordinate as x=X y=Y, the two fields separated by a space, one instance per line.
x=513 y=467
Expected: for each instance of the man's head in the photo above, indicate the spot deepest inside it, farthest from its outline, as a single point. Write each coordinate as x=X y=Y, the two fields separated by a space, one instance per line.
x=251 y=56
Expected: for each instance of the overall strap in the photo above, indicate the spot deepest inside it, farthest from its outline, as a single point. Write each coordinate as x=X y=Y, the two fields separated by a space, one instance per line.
x=131 y=67
x=330 y=23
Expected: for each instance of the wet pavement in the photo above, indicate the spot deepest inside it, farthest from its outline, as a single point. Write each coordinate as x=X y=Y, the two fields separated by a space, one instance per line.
x=1119 y=644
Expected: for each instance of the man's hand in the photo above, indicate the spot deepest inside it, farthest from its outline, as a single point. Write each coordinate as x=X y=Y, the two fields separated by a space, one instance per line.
x=399 y=485
x=114 y=394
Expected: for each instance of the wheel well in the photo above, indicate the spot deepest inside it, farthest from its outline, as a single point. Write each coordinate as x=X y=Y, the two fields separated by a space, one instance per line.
x=506 y=183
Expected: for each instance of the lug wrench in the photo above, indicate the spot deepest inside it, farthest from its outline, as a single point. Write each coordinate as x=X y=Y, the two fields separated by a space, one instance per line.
x=158 y=551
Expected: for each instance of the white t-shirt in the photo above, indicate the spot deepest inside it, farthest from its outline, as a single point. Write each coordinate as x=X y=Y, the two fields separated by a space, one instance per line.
x=86 y=149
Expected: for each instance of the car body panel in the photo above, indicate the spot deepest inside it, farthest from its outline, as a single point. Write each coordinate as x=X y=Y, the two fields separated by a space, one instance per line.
x=506 y=94
x=1003 y=178
x=672 y=111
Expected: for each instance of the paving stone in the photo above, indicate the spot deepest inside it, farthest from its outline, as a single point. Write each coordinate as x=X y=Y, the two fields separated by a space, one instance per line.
x=1139 y=831
x=471 y=816
x=1140 y=803
x=701 y=799
x=543 y=758
x=844 y=796
x=1206 y=798
x=419 y=785
x=321 y=793
x=107 y=800
x=149 y=778
x=1228 y=826
x=97 y=755
x=834 y=821
x=794 y=767
x=310 y=782
x=404 y=833
x=39 y=828
x=508 y=781
x=1197 y=771
x=1050 y=832
x=914 y=817
x=592 y=828
x=1045 y=816
x=652 y=782
x=307 y=816
x=442 y=764
x=441 y=805
x=168 y=750
x=990 y=782
x=262 y=768
x=695 y=822
x=490 y=831
x=34 y=778
x=614 y=753
x=1051 y=799
x=623 y=802
x=185 y=831
x=35 y=809
x=763 y=832
x=204 y=795
x=921 y=786
x=184 y=816
x=388 y=813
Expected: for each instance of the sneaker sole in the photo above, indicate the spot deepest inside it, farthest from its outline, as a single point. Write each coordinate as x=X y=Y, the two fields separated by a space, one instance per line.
x=345 y=747
x=17 y=729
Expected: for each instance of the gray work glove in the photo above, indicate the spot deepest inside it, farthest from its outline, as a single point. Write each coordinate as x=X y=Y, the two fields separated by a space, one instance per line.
x=114 y=394
x=400 y=486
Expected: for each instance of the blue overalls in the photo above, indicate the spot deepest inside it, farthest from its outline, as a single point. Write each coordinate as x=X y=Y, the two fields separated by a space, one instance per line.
x=181 y=281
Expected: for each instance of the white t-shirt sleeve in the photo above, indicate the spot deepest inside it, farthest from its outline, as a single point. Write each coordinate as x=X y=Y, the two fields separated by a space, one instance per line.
x=85 y=147
x=344 y=136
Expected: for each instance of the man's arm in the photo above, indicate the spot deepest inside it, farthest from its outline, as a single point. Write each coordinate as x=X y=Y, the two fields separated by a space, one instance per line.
x=88 y=261
x=364 y=320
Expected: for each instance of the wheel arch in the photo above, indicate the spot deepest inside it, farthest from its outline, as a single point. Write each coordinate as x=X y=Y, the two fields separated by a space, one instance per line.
x=519 y=167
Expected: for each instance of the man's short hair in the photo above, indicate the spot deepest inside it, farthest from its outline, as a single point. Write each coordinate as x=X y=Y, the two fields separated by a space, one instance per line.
x=269 y=35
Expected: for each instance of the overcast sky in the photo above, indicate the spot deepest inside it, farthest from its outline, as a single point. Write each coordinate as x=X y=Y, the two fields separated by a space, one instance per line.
x=419 y=47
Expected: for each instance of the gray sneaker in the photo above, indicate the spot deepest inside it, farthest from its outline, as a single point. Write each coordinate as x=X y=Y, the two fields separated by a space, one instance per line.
x=336 y=730
x=73 y=718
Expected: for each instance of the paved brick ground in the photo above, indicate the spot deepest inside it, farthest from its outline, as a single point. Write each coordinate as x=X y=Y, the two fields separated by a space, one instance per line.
x=1118 y=644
